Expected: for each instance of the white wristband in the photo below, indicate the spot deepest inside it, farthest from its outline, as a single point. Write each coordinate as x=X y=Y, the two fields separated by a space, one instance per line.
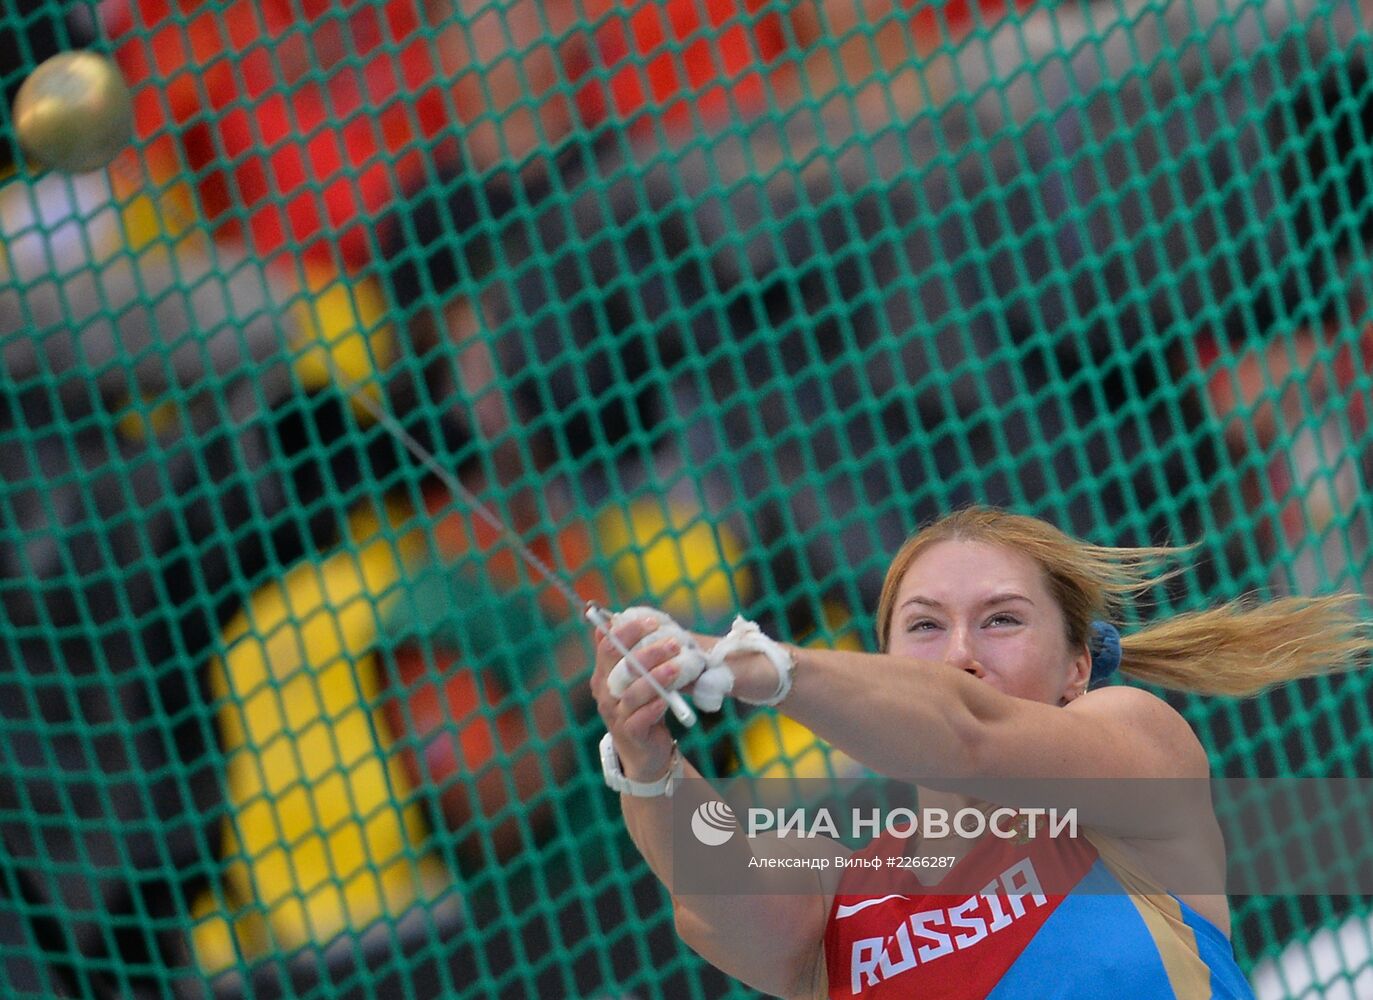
x=615 y=776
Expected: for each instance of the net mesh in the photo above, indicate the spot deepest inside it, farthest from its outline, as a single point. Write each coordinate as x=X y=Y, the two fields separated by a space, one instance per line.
x=711 y=302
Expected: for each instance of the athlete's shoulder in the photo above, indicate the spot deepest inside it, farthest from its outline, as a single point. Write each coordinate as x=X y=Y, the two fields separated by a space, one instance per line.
x=1145 y=718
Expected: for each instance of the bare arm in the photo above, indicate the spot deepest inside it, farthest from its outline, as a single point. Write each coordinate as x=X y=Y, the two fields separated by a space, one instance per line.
x=956 y=728
x=769 y=940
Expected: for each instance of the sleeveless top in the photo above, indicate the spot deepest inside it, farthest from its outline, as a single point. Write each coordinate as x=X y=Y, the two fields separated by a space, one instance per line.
x=1114 y=934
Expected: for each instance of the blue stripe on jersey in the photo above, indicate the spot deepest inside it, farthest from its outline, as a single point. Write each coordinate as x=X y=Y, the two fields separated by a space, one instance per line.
x=1094 y=945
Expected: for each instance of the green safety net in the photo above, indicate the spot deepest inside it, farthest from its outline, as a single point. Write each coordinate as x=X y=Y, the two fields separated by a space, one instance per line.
x=709 y=302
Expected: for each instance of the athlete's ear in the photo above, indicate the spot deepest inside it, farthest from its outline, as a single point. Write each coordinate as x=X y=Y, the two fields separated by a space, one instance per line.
x=1079 y=675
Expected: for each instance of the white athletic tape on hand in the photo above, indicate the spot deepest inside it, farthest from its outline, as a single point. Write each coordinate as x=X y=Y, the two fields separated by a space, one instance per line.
x=711 y=673
x=690 y=661
x=713 y=686
x=718 y=679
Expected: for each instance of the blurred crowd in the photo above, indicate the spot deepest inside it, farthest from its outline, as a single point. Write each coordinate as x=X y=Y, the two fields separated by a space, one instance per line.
x=713 y=300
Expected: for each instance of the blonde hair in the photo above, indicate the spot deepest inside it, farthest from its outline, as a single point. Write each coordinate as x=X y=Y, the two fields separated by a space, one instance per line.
x=1238 y=648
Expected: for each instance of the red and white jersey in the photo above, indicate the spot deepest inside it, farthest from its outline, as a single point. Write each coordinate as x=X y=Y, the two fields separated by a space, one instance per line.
x=889 y=935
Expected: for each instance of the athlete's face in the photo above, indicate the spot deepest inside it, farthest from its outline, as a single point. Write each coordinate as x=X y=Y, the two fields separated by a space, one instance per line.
x=987 y=610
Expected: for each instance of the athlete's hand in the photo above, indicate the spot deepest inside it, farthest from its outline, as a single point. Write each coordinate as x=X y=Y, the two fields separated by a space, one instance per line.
x=632 y=711
x=690 y=657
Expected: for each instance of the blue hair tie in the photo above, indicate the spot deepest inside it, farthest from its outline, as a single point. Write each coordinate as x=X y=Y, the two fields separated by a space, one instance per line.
x=1104 y=644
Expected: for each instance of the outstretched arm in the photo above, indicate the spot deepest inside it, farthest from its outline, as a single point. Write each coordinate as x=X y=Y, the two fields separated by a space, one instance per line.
x=913 y=719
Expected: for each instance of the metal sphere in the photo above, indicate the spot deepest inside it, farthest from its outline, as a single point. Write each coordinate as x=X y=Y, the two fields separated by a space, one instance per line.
x=74 y=112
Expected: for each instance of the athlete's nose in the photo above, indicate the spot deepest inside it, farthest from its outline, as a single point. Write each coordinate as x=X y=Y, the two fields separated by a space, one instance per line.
x=959 y=653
